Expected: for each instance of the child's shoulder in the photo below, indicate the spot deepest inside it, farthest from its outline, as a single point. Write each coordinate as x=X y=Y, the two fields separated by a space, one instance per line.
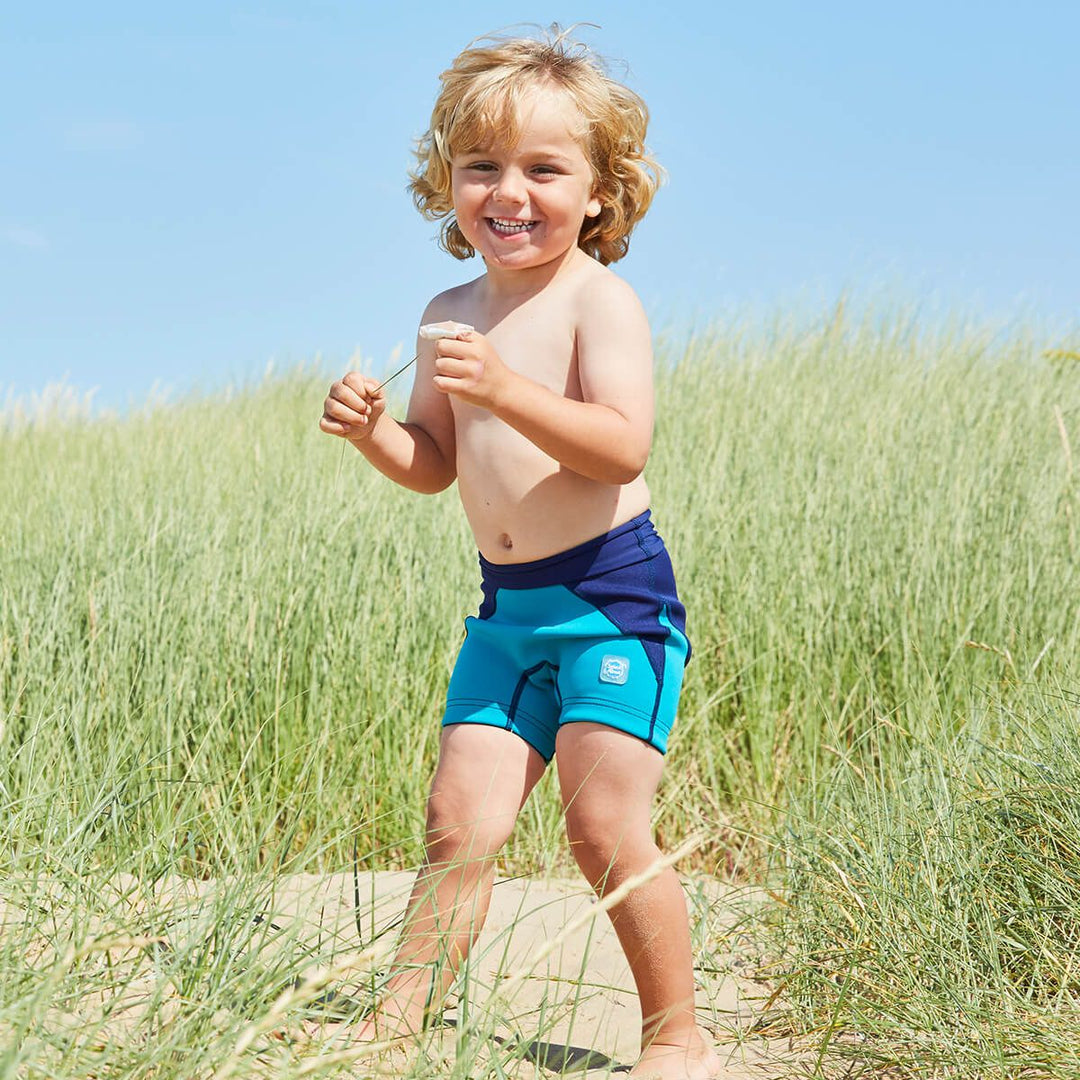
x=599 y=282
x=450 y=303
x=602 y=297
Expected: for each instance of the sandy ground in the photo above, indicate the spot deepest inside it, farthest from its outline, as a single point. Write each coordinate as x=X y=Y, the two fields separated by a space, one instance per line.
x=547 y=976
x=572 y=1006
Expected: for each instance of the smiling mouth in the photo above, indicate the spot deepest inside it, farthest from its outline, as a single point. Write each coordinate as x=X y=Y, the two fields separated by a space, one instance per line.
x=510 y=226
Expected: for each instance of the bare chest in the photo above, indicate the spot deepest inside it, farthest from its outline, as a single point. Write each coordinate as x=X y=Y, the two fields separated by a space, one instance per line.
x=540 y=347
x=543 y=349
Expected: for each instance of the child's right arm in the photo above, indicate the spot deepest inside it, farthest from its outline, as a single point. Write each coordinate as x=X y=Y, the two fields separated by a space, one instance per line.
x=419 y=454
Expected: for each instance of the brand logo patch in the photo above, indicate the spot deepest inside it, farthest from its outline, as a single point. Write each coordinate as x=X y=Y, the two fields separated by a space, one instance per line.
x=614 y=669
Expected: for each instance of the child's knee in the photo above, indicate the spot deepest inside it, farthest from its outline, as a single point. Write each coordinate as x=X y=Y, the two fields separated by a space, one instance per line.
x=462 y=828
x=597 y=834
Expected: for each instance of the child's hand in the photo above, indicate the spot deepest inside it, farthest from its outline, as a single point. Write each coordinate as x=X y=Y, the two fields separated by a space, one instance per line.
x=468 y=367
x=353 y=407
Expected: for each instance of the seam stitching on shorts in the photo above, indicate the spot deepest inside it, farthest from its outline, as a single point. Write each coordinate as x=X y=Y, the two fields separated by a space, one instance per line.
x=515 y=701
x=488 y=703
x=607 y=704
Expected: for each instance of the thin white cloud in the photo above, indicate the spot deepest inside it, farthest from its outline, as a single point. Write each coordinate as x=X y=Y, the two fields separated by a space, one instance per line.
x=101 y=135
x=21 y=236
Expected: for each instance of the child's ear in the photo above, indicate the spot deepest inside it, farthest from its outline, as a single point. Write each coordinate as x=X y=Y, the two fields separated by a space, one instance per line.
x=593 y=206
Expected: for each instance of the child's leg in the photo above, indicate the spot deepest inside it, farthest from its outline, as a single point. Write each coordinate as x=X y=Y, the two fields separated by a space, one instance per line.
x=608 y=780
x=483 y=778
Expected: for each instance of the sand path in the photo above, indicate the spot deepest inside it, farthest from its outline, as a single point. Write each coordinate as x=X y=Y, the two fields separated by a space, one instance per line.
x=574 y=1008
x=547 y=987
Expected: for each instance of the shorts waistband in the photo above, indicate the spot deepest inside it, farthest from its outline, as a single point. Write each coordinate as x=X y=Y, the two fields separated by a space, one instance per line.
x=632 y=542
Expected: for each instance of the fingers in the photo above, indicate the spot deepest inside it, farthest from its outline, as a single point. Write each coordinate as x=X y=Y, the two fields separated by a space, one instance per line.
x=353 y=402
x=464 y=367
x=356 y=389
x=333 y=427
x=461 y=346
x=455 y=367
x=455 y=376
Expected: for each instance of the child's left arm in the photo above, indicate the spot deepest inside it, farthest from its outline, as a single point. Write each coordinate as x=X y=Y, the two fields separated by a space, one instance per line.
x=606 y=436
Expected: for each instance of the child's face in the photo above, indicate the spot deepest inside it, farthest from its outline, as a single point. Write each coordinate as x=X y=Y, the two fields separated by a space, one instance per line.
x=522 y=206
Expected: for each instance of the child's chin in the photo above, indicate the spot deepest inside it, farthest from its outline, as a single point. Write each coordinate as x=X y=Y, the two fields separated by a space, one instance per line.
x=518 y=260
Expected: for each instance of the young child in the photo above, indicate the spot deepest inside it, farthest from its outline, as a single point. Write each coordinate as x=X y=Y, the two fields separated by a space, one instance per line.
x=543 y=413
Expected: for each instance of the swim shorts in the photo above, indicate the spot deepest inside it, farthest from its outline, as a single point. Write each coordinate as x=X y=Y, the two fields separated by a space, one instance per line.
x=595 y=633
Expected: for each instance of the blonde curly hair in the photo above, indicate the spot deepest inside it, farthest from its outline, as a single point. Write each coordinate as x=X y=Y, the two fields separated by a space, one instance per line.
x=480 y=102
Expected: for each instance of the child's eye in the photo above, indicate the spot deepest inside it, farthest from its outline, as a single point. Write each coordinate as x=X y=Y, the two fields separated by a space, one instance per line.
x=481 y=166
x=546 y=170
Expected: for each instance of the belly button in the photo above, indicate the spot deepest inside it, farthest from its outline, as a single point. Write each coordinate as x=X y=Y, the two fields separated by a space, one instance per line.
x=506 y=541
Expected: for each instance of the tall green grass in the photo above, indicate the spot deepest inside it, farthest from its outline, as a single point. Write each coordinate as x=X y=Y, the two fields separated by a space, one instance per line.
x=223 y=654
x=929 y=920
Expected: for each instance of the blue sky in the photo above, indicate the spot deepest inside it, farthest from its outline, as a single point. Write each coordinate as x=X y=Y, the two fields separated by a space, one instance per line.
x=190 y=191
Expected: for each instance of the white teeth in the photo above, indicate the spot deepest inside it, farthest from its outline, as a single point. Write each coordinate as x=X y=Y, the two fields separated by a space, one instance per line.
x=505 y=225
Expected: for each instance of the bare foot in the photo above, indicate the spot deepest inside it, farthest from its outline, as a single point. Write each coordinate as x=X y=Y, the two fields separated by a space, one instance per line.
x=664 y=1061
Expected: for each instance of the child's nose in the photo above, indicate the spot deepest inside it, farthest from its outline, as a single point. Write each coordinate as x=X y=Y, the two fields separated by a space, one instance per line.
x=511 y=188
